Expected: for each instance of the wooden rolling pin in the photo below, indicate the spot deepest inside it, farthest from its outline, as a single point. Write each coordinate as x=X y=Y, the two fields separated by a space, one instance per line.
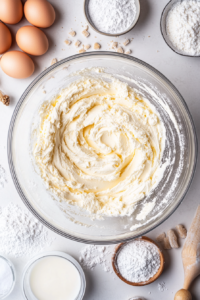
x=191 y=257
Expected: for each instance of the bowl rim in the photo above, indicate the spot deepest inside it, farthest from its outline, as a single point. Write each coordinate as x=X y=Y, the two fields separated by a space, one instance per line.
x=85 y=5
x=142 y=283
x=12 y=168
x=163 y=23
x=12 y=268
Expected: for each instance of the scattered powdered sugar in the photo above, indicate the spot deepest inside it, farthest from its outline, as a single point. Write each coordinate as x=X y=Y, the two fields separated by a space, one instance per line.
x=138 y=261
x=92 y=255
x=162 y=287
x=20 y=233
x=112 y=16
x=3 y=179
x=183 y=26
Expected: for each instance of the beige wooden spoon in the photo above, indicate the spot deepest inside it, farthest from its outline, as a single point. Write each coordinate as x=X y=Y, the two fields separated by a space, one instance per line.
x=191 y=257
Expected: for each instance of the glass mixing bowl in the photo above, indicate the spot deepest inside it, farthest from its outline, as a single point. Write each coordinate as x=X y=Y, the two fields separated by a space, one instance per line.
x=180 y=150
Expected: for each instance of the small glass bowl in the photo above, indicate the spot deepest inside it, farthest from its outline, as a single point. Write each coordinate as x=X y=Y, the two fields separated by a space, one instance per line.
x=12 y=268
x=88 y=18
x=163 y=30
x=26 y=289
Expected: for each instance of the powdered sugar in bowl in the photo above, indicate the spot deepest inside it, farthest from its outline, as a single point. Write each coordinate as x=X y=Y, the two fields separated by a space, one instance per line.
x=112 y=18
x=180 y=27
x=139 y=262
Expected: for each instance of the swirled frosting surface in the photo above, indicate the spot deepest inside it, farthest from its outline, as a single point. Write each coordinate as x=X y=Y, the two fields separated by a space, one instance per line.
x=99 y=146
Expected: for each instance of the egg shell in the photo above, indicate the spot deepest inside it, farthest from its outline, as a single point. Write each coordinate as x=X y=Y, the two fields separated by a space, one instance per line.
x=32 y=40
x=17 y=64
x=5 y=38
x=39 y=13
x=11 y=11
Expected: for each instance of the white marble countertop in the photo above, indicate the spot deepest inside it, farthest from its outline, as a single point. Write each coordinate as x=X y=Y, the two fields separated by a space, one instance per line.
x=183 y=72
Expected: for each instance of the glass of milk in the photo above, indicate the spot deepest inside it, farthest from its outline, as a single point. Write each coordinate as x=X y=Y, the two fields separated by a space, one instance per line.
x=52 y=276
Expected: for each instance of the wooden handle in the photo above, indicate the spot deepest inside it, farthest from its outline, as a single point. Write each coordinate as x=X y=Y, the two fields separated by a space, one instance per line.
x=191 y=251
x=191 y=257
x=190 y=275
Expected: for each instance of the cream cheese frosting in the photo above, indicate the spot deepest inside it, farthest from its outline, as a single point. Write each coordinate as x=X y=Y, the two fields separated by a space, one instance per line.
x=100 y=146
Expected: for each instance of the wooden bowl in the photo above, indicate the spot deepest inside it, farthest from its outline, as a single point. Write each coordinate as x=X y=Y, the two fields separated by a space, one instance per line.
x=152 y=279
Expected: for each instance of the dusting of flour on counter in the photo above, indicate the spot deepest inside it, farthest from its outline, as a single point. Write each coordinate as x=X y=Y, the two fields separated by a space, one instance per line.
x=20 y=233
x=3 y=179
x=138 y=261
x=162 y=287
x=92 y=255
x=183 y=26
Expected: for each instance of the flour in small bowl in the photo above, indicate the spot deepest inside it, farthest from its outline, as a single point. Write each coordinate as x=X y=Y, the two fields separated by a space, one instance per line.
x=112 y=16
x=138 y=261
x=183 y=26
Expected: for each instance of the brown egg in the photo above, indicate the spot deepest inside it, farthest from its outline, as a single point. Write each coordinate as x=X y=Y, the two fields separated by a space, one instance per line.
x=32 y=40
x=5 y=38
x=17 y=64
x=39 y=13
x=11 y=11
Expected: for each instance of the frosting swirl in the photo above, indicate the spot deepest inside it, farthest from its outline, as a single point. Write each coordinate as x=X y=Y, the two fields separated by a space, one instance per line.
x=99 y=146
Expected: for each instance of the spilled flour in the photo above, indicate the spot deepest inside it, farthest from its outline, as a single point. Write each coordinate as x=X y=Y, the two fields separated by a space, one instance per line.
x=3 y=179
x=162 y=287
x=92 y=256
x=20 y=233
